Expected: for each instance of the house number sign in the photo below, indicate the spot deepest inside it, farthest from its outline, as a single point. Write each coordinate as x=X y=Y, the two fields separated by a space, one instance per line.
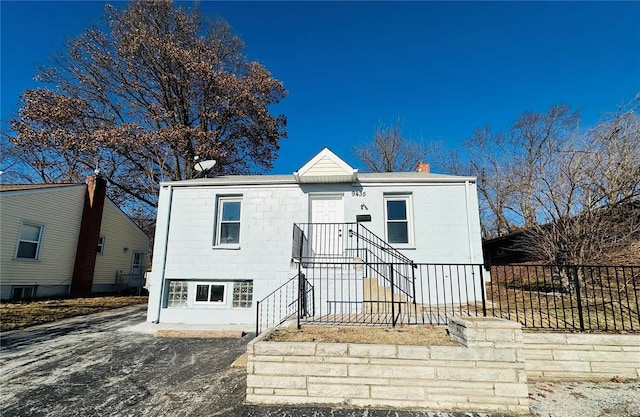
x=358 y=193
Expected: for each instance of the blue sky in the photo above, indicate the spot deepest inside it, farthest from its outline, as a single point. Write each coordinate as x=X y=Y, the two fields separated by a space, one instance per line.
x=443 y=68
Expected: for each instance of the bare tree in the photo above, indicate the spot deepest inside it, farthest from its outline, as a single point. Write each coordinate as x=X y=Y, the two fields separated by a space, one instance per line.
x=575 y=195
x=141 y=96
x=589 y=196
x=511 y=165
x=391 y=152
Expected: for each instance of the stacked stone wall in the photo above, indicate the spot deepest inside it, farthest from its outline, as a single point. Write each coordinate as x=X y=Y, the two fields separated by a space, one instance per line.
x=576 y=356
x=486 y=373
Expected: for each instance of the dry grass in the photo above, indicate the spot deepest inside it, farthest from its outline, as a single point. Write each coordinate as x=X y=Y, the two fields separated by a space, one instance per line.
x=533 y=296
x=18 y=315
x=560 y=311
x=402 y=335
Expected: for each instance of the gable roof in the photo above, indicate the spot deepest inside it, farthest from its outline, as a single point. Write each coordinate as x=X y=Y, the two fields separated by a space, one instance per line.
x=326 y=167
x=21 y=187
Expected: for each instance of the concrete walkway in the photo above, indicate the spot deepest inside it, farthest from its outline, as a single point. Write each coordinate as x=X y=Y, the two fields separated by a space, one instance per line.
x=204 y=329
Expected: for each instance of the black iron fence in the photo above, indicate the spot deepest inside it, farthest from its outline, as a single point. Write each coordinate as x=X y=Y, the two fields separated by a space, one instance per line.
x=550 y=297
x=348 y=275
x=353 y=293
x=566 y=297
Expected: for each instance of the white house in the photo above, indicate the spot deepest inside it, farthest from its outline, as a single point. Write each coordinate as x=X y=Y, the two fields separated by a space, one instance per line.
x=224 y=243
x=66 y=238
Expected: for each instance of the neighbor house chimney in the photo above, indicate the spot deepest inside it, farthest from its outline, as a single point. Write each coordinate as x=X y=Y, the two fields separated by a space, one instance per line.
x=89 y=235
x=423 y=167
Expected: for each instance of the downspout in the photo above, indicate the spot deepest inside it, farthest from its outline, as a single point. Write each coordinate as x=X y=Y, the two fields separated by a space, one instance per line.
x=164 y=257
x=469 y=232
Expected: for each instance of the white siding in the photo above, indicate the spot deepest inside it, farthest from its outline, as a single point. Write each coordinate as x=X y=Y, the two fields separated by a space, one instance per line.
x=325 y=166
x=119 y=233
x=60 y=211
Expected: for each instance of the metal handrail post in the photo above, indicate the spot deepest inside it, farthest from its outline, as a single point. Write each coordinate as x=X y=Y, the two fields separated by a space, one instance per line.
x=393 y=310
x=257 y=318
x=579 y=301
x=484 y=292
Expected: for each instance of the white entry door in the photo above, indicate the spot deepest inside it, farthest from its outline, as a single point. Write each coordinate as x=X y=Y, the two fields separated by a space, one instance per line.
x=327 y=215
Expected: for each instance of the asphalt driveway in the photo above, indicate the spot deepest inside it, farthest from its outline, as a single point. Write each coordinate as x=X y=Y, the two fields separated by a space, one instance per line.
x=96 y=366
x=88 y=366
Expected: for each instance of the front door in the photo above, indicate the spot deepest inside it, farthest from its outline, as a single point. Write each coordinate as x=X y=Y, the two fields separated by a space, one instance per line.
x=327 y=216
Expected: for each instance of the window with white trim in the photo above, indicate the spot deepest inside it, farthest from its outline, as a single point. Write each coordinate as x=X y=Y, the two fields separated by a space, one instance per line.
x=210 y=293
x=30 y=241
x=178 y=294
x=398 y=219
x=228 y=221
x=101 y=241
x=242 y=294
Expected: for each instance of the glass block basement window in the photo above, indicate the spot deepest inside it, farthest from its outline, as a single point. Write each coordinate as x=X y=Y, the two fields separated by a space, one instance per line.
x=178 y=292
x=242 y=294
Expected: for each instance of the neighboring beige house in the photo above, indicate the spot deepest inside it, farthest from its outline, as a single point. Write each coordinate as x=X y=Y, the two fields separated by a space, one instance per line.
x=58 y=239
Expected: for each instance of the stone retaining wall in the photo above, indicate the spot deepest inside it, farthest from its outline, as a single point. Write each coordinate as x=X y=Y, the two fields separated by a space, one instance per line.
x=486 y=373
x=575 y=356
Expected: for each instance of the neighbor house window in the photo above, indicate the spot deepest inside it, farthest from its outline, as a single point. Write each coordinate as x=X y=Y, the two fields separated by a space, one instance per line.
x=210 y=293
x=178 y=293
x=242 y=294
x=23 y=292
x=228 y=221
x=398 y=219
x=30 y=241
x=101 y=245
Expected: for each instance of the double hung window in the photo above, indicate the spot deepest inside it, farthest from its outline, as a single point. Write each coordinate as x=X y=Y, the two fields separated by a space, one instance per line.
x=398 y=225
x=228 y=221
x=30 y=241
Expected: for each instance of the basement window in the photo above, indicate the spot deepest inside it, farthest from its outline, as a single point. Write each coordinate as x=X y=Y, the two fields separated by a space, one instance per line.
x=24 y=292
x=243 y=294
x=178 y=294
x=210 y=293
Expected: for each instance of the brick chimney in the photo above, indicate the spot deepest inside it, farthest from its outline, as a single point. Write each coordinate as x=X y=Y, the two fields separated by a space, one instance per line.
x=87 y=249
x=423 y=167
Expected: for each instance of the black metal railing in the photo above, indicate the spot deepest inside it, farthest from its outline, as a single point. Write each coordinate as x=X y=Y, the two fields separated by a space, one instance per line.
x=277 y=307
x=285 y=303
x=316 y=245
x=551 y=297
x=375 y=245
x=567 y=297
x=347 y=275
x=346 y=294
